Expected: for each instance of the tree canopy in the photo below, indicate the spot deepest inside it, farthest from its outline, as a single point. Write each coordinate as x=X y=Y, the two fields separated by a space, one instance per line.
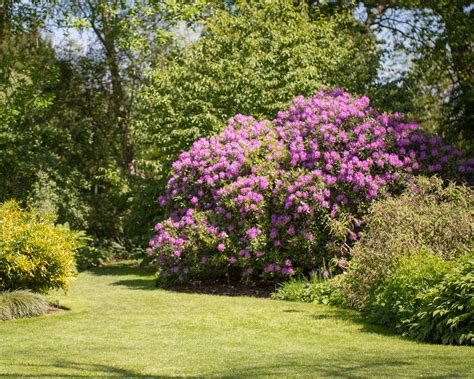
x=90 y=123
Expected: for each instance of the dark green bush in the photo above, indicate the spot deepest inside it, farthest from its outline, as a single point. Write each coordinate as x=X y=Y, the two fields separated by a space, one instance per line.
x=446 y=311
x=428 y=217
x=18 y=304
x=92 y=256
x=35 y=254
x=101 y=251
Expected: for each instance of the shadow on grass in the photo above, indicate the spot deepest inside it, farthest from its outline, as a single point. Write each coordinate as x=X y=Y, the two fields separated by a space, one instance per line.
x=347 y=315
x=342 y=366
x=122 y=269
x=137 y=284
x=337 y=367
x=221 y=289
x=84 y=369
x=356 y=318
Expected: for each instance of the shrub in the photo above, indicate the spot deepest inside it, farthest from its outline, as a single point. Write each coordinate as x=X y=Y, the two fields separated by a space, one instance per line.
x=18 y=304
x=426 y=298
x=394 y=298
x=91 y=255
x=317 y=289
x=277 y=198
x=427 y=217
x=34 y=253
x=100 y=251
x=446 y=311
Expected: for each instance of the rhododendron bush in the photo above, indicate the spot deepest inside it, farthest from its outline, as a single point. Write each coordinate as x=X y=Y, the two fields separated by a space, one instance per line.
x=273 y=198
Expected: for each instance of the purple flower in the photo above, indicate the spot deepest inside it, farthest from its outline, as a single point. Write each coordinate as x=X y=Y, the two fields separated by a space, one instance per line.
x=253 y=232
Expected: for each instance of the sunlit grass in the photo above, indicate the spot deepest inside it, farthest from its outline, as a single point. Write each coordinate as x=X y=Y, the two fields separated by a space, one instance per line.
x=120 y=325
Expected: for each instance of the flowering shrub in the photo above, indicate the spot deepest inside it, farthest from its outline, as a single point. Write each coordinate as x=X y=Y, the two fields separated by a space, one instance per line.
x=273 y=198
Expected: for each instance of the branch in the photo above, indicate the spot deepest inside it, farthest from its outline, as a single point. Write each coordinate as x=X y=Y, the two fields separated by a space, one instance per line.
x=91 y=18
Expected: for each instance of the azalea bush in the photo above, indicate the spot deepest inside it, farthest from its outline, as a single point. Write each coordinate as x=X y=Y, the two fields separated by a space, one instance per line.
x=275 y=198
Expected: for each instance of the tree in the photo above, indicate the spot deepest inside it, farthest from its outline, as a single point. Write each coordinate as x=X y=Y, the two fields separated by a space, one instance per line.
x=438 y=36
x=251 y=58
x=127 y=33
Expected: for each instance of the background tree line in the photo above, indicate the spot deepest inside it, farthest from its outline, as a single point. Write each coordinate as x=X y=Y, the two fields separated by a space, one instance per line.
x=90 y=133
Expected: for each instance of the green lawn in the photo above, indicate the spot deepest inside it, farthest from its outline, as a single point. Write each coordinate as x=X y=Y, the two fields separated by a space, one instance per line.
x=120 y=325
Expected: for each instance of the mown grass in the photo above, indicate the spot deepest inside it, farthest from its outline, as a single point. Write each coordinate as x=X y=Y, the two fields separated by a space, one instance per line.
x=120 y=325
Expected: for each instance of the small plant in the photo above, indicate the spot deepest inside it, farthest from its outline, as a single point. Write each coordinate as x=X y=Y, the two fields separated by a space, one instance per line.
x=316 y=289
x=95 y=253
x=19 y=304
x=35 y=253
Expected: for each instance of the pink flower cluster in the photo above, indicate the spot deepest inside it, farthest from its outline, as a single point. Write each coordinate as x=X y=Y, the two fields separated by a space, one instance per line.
x=257 y=198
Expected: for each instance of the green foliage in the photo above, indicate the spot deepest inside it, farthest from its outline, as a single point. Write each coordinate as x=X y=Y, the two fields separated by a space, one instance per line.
x=18 y=304
x=66 y=114
x=34 y=253
x=428 y=216
x=446 y=311
x=435 y=40
x=412 y=268
x=426 y=298
x=251 y=59
x=56 y=147
x=394 y=297
x=312 y=290
x=143 y=213
x=26 y=70
x=101 y=251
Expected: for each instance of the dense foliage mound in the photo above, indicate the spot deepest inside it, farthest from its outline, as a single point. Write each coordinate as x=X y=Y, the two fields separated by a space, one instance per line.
x=426 y=298
x=428 y=218
x=446 y=311
x=274 y=198
x=35 y=254
x=412 y=270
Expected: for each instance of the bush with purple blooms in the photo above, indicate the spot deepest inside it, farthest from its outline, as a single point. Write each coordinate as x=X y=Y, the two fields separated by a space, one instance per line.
x=274 y=198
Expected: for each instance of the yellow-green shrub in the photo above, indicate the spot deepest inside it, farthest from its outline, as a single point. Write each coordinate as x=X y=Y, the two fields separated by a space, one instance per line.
x=35 y=253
